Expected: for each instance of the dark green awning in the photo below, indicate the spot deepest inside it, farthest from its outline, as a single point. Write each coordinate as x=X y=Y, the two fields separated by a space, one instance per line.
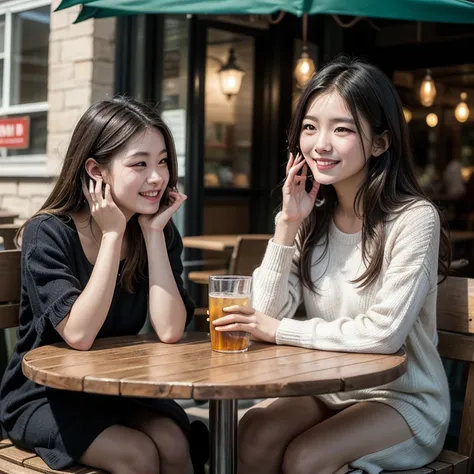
x=450 y=11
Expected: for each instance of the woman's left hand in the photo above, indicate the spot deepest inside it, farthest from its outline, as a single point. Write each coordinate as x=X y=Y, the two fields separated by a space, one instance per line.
x=157 y=222
x=243 y=318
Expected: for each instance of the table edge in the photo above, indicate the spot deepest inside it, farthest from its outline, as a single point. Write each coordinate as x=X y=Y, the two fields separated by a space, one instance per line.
x=203 y=391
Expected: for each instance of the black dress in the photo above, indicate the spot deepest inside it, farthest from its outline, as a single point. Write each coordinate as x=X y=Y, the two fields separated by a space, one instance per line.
x=60 y=425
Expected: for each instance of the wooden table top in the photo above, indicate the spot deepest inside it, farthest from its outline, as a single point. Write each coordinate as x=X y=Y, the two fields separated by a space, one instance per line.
x=228 y=242
x=142 y=366
x=218 y=243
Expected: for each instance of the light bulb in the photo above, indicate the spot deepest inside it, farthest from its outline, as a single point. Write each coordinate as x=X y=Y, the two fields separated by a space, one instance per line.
x=462 y=110
x=432 y=120
x=407 y=114
x=427 y=90
x=304 y=69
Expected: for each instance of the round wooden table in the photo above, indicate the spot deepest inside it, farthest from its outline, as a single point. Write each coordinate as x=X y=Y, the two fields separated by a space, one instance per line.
x=218 y=243
x=142 y=366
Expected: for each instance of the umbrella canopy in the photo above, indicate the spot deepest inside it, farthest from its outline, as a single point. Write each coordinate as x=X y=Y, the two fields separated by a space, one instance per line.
x=450 y=11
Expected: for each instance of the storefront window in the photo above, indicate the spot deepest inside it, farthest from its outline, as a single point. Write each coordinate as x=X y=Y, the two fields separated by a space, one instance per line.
x=37 y=135
x=24 y=47
x=228 y=145
x=443 y=144
x=2 y=54
x=29 y=59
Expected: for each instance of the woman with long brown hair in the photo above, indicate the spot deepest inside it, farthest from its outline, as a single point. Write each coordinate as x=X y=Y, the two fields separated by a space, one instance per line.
x=99 y=255
x=359 y=244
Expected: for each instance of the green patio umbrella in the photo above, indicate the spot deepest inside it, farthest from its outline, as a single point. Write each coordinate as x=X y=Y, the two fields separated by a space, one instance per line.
x=450 y=11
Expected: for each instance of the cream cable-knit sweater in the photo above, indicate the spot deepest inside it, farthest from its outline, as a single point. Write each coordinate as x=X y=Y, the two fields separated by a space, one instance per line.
x=397 y=310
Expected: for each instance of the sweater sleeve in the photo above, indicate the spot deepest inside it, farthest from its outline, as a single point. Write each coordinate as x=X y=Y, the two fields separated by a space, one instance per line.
x=276 y=288
x=385 y=325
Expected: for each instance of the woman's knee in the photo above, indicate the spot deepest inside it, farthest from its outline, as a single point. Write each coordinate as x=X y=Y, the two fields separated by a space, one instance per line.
x=258 y=436
x=122 y=450
x=300 y=458
x=171 y=442
x=138 y=455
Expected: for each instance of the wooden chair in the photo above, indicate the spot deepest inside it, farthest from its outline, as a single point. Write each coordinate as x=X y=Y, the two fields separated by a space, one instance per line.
x=246 y=257
x=12 y=459
x=456 y=341
x=248 y=254
x=455 y=316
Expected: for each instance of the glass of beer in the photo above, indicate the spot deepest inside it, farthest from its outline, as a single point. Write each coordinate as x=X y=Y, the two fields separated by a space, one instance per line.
x=224 y=291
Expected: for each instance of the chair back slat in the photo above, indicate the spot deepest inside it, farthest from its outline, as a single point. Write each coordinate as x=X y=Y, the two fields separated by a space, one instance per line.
x=452 y=345
x=10 y=287
x=455 y=307
x=455 y=314
x=9 y=315
x=248 y=254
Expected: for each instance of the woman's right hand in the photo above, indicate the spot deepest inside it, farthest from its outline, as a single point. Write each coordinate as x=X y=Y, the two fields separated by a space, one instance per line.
x=297 y=202
x=104 y=211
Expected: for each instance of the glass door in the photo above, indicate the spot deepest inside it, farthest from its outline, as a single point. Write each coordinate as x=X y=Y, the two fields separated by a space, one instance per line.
x=228 y=129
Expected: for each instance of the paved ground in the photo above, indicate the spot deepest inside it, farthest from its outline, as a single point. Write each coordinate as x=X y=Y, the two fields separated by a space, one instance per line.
x=198 y=411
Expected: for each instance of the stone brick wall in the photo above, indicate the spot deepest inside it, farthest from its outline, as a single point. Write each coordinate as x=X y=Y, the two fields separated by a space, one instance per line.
x=81 y=71
x=23 y=196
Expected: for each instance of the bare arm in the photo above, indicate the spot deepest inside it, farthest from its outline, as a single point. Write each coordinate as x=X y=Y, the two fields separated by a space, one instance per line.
x=81 y=326
x=167 y=309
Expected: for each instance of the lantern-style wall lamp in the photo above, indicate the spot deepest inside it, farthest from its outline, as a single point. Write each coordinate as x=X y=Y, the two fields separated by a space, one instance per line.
x=230 y=75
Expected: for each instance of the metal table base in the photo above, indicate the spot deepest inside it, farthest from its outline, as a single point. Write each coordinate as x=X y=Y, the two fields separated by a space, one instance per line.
x=223 y=427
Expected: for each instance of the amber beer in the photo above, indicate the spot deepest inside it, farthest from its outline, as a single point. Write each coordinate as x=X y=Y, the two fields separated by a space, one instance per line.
x=227 y=291
x=229 y=341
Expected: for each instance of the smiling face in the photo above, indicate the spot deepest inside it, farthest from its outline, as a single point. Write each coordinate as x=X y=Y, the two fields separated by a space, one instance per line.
x=331 y=144
x=139 y=174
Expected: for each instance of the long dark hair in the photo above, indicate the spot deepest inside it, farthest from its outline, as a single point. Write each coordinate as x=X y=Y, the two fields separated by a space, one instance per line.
x=101 y=133
x=391 y=181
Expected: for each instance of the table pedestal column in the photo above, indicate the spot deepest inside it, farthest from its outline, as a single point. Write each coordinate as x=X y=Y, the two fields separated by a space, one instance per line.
x=223 y=426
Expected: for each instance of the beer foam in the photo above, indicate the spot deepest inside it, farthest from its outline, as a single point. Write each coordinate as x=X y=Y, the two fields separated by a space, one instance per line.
x=234 y=296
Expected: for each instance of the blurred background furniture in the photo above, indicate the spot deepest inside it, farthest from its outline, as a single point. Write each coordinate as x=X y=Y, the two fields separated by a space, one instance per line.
x=247 y=255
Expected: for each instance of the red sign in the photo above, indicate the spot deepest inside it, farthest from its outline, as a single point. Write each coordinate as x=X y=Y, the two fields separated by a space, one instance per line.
x=14 y=132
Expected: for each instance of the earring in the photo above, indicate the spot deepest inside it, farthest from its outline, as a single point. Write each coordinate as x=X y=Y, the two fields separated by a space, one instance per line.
x=319 y=202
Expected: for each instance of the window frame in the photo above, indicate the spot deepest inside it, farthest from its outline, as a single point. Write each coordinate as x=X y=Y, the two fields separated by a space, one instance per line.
x=15 y=165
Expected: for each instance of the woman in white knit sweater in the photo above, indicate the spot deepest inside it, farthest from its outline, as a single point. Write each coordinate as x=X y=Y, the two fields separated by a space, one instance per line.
x=358 y=244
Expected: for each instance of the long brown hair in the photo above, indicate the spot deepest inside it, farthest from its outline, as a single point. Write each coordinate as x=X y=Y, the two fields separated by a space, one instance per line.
x=391 y=180
x=101 y=133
